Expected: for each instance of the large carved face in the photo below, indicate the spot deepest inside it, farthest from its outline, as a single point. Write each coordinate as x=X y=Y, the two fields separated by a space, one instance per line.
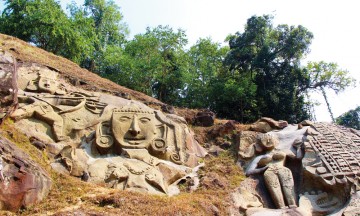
x=134 y=130
x=48 y=85
x=267 y=141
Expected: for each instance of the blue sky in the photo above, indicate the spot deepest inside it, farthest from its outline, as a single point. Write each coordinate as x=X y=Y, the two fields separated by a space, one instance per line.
x=333 y=23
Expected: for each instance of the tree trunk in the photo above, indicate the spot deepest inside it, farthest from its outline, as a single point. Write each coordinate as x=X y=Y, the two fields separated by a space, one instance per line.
x=327 y=103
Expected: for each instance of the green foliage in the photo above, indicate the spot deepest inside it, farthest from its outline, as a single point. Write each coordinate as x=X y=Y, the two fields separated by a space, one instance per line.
x=82 y=37
x=155 y=63
x=43 y=23
x=350 y=119
x=205 y=62
x=269 y=58
x=258 y=74
x=328 y=75
x=324 y=75
x=109 y=31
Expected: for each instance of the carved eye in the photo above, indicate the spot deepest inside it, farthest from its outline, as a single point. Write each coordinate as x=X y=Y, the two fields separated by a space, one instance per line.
x=124 y=118
x=144 y=120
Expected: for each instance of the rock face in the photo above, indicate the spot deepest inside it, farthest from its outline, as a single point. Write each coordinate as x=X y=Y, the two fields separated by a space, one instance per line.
x=204 y=118
x=104 y=138
x=307 y=169
x=22 y=181
x=8 y=85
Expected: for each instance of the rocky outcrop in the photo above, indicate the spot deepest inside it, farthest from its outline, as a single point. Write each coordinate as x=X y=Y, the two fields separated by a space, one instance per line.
x=305 y=169
x=265 y=125
x=204 y=118
x=8 y=84
x=22 y=182
x=104 y=138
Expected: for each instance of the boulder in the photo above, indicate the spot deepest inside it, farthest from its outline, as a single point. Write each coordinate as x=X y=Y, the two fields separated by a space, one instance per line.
x=22 y=181
x=204 y=118
x=266 y=124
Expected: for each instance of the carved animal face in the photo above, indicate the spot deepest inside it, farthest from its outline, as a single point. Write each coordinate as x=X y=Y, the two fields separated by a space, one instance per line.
x=48 y=85
x=134 y=130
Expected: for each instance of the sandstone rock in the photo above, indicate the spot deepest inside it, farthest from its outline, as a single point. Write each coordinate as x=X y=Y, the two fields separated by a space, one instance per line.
x=246 y=142
x=88 y=127
x=265 y=125
x=23 y=182
x=204 y=118
x=215 y=150
x=8 y=85
x=168 y=109
x=262 y=127
x=225 y=129
x=171 y=174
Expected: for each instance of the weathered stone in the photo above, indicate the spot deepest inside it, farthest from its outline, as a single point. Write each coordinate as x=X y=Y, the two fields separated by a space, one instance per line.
x=265 y=125
x=243 y=200
x=278 y=178
x=22 y=182
x=88 y=127
x=246 y=141
x=215 y=150
x=223 y=129
x=170 y=174
x=204 y=118
x=8 y=84
x=262 y=127
x=327 y=178
x=168 y=109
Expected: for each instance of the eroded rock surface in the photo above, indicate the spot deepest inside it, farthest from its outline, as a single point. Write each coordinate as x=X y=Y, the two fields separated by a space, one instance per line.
x=307 y=169
x=22 y=181
x=8 y=85
x=103 y=138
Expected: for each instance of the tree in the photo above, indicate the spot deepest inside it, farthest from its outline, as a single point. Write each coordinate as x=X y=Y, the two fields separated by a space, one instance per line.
x=109 y=29
x=205 y=62
x=44 y=24
x=270 y=58
x=324 y=76
x=156 y=63
x=350 y=119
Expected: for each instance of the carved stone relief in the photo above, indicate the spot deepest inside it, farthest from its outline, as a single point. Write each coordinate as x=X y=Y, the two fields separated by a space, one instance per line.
x=107 y=139
x=328 y=173
x=337 y=155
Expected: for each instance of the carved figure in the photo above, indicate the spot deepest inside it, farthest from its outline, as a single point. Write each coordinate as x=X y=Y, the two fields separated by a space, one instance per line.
x=56 y=111
x=144 y=149
x=278 y=178
x=40 y=79
x=332 y=154
x=133 y=127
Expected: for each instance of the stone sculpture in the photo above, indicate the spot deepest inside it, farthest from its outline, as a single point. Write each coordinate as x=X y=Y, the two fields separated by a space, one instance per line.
x=326 y=178
x=278 y=178
x=279 y=181
x=127 y=146
x=332 y=155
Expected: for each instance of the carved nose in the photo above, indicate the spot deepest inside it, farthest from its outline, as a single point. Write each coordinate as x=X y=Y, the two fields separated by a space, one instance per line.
x=47 y=84
x=134 y=128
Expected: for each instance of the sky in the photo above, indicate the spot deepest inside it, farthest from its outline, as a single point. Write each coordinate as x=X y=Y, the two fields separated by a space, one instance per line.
x=333 y=23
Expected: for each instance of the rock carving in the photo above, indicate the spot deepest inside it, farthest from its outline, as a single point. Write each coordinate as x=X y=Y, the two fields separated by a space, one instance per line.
x=128 y=145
